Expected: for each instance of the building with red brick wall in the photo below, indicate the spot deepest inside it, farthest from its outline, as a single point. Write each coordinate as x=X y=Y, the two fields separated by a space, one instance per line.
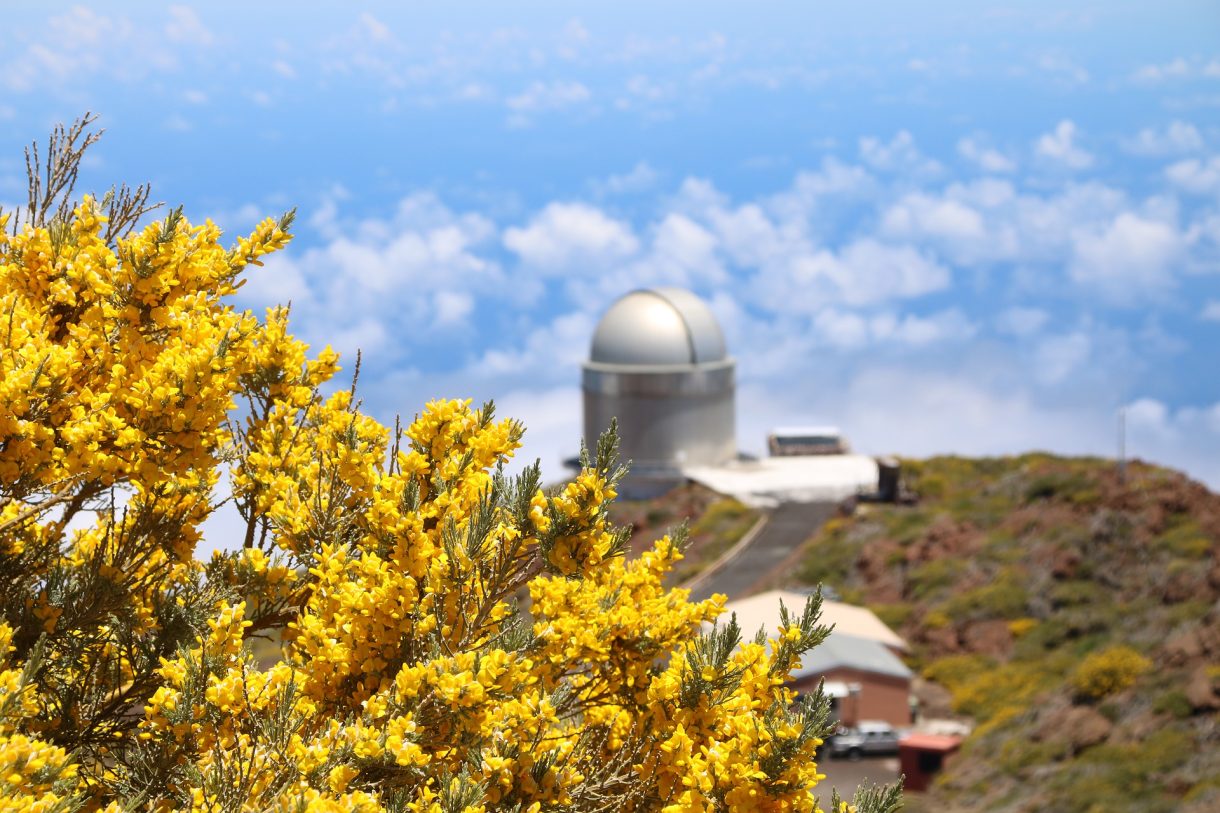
x=866 y=680
x=860 y=660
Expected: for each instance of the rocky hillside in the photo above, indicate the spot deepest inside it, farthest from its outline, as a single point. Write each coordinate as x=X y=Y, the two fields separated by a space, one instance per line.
x=1074 y=617
x=714 y=524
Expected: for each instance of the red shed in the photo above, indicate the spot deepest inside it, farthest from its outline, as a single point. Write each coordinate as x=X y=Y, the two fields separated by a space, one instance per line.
x=922 y=756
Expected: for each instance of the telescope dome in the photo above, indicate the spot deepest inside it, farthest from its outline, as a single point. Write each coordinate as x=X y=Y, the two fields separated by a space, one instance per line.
x=658 y=327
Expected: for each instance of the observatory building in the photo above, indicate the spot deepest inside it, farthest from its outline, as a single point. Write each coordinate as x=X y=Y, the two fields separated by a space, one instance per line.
x=659 y=365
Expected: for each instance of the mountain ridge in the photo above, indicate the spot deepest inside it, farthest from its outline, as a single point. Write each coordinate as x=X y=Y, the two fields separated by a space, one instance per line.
x=1070 y=611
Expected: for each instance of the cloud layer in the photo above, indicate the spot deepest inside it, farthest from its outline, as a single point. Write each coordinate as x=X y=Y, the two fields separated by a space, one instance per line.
x=965 y=311
x=944 y=232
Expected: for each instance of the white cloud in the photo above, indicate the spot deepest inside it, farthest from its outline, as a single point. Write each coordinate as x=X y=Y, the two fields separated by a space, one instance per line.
x=640 y=178
x=284 y=69
x=1175 y=137
x=548 y=353
x=552 y=95
x=1021 y=321
x=570 y=238
x=642 y=88
x=937 y=217
x=573 y=39
x=799 y=306
x=864 y=272
x=1147 y=414
x=987 y=225
x=553 y=427
x=842 y=328
x=683 y=252
x=988 y=159
x=967 y=223
x=1156 y=73
x=474 y=92
x=178 y=124
x=1129 y=258
x=1174 y=69
x=834 y=178
x=1211 y=311
x=920 y=331
x=898 y=155
x=374 y=29
x=452 y=307
x=373 y=276
x=1060 y=146
x=949 y=412
x=751 y=238
x=184 y=26
x=1200 y=176
x=960 y=407
x=1189 y=436
x=1057 y=357
x=367 y=47
x=1062 y=68
x=680 y=251
x=83 y=43
x=685 y=242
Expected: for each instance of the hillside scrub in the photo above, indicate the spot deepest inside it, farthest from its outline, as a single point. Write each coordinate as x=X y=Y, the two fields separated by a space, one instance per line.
x=1071 y=614
x=384 y=564
x=714 y=522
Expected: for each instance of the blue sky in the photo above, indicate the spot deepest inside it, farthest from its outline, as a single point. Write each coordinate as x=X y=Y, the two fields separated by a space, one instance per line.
x=946 y=227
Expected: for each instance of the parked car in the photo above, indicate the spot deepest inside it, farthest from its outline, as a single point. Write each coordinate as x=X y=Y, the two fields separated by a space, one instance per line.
x=869 y=738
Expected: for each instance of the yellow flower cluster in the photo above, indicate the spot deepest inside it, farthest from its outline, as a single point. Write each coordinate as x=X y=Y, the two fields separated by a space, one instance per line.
x=1109 y=671
x=434 y=635
x=33 y=772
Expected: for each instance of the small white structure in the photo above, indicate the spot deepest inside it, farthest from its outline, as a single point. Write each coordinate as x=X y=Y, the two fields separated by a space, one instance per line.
x=767 y=482
x=658 y=363
x=806 y=440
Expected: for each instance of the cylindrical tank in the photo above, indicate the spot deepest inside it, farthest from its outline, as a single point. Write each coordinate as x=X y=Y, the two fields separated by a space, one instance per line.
x=658 y=364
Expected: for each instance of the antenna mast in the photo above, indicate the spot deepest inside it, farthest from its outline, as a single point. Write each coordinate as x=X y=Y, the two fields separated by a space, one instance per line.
x=1122 y=445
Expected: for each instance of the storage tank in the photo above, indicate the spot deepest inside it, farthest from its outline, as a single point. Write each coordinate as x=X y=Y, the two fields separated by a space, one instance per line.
x=659 y=364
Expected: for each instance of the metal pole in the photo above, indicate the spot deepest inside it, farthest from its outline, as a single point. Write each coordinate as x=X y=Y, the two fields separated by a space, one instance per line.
x=1122 y=445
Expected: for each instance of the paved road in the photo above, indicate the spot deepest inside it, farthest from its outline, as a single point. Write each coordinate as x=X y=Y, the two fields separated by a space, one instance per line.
x=788 y=526
x=846 y=775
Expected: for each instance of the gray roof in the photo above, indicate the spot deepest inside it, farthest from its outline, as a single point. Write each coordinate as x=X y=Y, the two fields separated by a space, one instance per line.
x=849 y=652
x=658 y=327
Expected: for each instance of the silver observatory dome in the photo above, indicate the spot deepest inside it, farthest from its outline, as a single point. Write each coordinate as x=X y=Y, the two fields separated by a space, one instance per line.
x=658 y=363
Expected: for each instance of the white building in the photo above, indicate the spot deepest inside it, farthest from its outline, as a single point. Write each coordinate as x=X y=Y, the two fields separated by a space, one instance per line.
x=658 y=363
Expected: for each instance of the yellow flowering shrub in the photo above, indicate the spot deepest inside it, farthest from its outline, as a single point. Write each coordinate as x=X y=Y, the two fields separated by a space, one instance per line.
x=450 y=638
x=1109 y=671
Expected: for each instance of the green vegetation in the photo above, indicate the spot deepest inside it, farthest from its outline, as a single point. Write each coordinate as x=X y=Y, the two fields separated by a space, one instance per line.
x=722 y=525
x=1065 y=611
x=831 y=561
x=714 y=523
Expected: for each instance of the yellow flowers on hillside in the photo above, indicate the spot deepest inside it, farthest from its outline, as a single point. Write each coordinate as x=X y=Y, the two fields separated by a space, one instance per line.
x=444 y=637
x=1108 y=671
